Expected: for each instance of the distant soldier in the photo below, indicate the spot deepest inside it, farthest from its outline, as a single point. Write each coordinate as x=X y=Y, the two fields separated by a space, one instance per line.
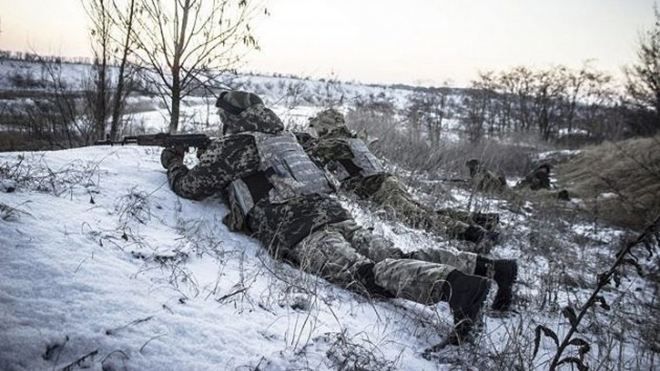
x=277 y=194
x=347 y=157
x=537 y=179
x=485 y=180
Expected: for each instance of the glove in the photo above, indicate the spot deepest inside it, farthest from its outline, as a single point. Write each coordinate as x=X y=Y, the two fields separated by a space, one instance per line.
x=200 y=152
x=171 y=156
x=474 y=234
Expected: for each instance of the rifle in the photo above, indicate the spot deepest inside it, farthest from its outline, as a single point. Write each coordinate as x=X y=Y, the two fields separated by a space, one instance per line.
x=199 y=141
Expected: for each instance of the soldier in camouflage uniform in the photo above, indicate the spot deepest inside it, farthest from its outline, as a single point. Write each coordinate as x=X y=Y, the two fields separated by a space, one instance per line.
x=537 y=179
x=486 y=220
x=276 y=194
x=347 y=157
x=485 y=180
x=344 y=155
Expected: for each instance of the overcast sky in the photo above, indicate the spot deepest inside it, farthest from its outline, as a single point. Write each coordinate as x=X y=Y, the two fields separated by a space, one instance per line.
x=411 y=41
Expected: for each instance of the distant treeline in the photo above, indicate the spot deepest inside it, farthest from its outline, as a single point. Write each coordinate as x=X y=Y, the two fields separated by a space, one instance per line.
x=34 y=57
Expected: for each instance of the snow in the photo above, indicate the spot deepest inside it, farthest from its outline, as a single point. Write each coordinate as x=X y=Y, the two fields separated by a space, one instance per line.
x=139 y=276
x=294 y=99
x=608 y=195
x=201 y=116
x=290 y=92
x=597 y=232
x=100 y=259
x=564 y=132
x=565 y=153
x=102 y=266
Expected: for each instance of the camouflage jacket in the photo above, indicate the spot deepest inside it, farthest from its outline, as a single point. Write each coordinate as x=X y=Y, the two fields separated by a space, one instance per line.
x=537 y=179
x=278 y=225
x=225 y=159
x=330 y=147
x=333 y=152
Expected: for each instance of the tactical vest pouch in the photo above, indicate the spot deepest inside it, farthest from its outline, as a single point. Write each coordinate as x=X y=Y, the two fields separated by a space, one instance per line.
x=289 y=169
x=240 y=193
x=240 y=203
x=364 y=159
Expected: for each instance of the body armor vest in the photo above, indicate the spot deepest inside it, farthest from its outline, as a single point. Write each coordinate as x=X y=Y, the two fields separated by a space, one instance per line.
x=364 y=159
x=286 y=167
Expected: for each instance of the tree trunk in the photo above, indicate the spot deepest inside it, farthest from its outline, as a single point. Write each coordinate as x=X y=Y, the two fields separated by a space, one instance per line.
x=176 y=68
x=657 y=110
x=100 y=98
x=117 y=102
x=118 y=99
x=101 y=109
x=176 y=103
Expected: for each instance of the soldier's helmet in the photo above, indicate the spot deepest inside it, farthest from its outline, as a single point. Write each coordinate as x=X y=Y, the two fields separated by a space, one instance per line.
x=472 y=163
x=326 y=121
x=232 y=106
x=234 y=102
x=473 y=166
x=545 y=167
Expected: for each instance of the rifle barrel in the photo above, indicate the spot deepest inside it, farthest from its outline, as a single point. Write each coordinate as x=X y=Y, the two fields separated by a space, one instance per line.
x=160 y=139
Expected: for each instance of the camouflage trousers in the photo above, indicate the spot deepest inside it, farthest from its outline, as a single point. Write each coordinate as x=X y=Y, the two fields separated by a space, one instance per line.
x=395 y=199
x=338 y=252
x=487 y=181
x=486 y=220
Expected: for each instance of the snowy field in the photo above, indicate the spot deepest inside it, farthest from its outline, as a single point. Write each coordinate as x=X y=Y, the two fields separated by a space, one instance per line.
x=294 y=99
x=104 y=267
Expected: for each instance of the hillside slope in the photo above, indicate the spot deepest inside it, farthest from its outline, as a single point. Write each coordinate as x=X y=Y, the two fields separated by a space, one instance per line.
x=103 y=267
x=144 y=280
x=619 y=181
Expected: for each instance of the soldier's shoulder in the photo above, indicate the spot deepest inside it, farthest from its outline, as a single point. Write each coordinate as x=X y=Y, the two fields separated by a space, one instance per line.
x=242 y=139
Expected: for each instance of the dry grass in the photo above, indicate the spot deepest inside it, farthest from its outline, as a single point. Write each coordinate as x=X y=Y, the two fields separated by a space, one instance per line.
x=415 y=153
x=619 y=181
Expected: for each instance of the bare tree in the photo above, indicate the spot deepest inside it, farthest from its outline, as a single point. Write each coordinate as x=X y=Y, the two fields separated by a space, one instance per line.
x=574 y=85
x=643 y=77
x=112 y=26
x=98 y=97
x=521 y=87
x=546 y=100
x=58 y=116
x=476 y=108
x=596 y=109
x=184 y=42
x=124 y=18
x=549 y=91
x=427 y=108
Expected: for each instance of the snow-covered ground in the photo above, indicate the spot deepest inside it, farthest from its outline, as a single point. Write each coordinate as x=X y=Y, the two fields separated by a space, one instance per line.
x=102 y=266
x=100 y=259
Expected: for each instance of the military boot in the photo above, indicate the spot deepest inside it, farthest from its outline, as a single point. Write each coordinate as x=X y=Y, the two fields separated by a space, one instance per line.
x=480 y=236
x=466 y=295
x=487 y=220
x=504 y=272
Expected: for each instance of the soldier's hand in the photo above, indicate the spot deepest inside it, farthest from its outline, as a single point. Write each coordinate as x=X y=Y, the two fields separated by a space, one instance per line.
x=171 y=156
x=200 y=152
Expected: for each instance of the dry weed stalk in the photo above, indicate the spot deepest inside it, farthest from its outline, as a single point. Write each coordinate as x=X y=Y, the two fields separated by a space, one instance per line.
x=623 y=257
